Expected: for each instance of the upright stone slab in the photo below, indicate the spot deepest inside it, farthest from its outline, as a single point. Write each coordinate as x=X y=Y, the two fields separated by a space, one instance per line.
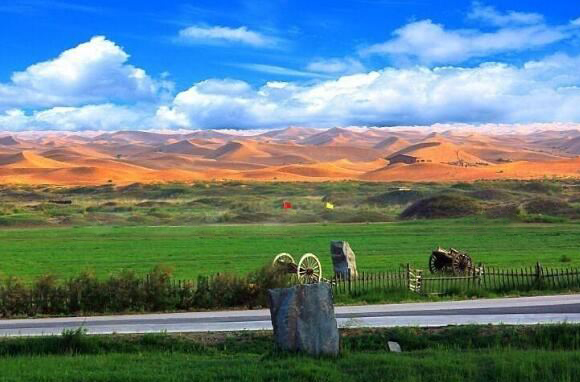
x=303 y=319
x=343 y=258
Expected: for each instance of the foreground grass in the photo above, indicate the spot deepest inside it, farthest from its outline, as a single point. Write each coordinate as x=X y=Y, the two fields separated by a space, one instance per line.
x=196 y=250
x=496 y=365
x=541 y=353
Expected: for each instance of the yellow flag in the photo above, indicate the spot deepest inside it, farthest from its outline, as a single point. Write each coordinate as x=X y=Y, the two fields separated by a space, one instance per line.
x=329 y=205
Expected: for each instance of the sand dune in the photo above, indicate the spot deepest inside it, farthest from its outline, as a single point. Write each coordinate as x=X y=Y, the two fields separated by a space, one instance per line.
x=29 y=159
x=438 y=151
x=289 y=134
x=320 y=170
x=291 y=154
x=238 y=151
x=8 y=141
x=392 y=144
x=185 y=147
x=571 y=146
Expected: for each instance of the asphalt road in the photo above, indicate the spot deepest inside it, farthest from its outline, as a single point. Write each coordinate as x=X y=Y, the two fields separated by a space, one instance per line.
x=525 y=310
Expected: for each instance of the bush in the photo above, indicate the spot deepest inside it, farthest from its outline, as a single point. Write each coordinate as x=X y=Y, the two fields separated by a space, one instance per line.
x=265 y=278
x=548 y=206
x=490 y=194
x=503 y=211
x=442 y=206
x=15 y=298
x=396 y=197
x=536 y=186
x=48 y=296
x=158 y=294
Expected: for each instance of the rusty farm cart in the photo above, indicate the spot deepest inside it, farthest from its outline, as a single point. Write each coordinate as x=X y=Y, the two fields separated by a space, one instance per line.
x=450 y=261
x=308 y=270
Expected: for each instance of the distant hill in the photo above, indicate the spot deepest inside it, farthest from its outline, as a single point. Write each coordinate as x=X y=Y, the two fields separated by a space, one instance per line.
x=184 y=147
x=9 y=141
x=289 y=154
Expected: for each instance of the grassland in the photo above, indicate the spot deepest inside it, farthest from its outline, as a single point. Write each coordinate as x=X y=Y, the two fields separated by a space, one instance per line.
x=235 y=202
x=543 y=353
x=208 y=249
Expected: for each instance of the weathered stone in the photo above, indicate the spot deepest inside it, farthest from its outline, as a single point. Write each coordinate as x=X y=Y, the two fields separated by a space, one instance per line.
x=303 y=319
x=343 y=258
x=394 y=346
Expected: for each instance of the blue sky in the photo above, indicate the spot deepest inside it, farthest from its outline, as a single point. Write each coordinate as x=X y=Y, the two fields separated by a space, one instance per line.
x=77 y=65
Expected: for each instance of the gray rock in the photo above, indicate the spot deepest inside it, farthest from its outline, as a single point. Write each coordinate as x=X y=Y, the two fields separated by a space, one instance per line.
x=343 y=258
x=303 y=319
x=394 y=346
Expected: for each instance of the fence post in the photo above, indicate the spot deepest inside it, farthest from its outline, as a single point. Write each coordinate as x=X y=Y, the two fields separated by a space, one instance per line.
x=539 y=274
x=349 y=277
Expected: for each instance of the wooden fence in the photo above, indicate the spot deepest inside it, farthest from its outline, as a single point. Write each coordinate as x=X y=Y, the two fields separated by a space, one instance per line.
x=480 y=278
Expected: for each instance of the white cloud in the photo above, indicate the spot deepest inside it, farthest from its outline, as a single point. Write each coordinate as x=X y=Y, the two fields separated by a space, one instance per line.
x=336 y=66
x=89 y=117
x=226 y=35
x=95 y=71
x=539 y=91
x=430 y=43
x=492 y=16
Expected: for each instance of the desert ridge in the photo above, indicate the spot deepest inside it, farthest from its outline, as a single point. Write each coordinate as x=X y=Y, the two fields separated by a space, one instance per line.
x=291 y=154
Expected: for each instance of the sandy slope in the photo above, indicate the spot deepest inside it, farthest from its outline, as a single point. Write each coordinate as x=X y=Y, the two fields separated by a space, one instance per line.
x=292 y=154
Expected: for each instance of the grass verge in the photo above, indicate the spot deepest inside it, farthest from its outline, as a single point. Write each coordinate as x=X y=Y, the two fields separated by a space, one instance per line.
x=474 y=353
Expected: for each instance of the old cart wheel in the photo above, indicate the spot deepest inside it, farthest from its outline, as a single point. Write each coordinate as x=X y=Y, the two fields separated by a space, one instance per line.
x=283 y=259
x=433 y=263
x=439 y=263
x=309 y=269
x=461 y=263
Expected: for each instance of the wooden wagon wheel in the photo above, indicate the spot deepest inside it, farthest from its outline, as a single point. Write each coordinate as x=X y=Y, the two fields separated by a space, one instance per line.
x=309 y=269
x=283 y=259
x=461 y=263
x=433 y=263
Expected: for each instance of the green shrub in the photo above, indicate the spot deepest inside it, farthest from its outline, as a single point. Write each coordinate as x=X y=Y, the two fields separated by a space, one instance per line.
x=536 y=186
x=442 y=206
x=490 y=194
x=86 y=294
x=548 y=206
x=396 y=197
x=158 y=291
x=126 y=292
x=267 y=277
x=48 y=296
x=15 y=298
x=503 y=211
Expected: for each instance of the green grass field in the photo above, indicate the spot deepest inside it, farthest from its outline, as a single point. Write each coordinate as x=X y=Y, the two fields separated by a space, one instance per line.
x=195 y=250
x=542 y=353
x=448 y=366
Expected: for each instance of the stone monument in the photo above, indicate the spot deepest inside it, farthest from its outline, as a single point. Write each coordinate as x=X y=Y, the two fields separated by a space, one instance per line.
x=303 y=319
x=343 y=258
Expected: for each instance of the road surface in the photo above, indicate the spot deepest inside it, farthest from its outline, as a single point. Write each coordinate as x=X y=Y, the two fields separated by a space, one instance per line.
x=525 y=310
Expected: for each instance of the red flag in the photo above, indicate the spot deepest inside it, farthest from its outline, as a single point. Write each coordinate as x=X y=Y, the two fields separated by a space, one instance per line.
x=286 y=205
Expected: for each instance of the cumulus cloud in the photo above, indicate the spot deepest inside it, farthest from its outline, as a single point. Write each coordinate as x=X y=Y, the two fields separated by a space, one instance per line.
x=225 y=35
x=489 y=14
x=336 y=66
x=427 y=42
x=430 y=43
x=92 y=72
x=88 y=117
x=538 y=91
